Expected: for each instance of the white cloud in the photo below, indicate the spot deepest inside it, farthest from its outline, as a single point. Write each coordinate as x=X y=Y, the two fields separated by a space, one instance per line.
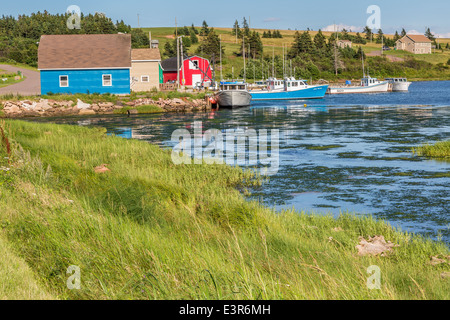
x=414 y=32
x=442 y=35
x=339 y=27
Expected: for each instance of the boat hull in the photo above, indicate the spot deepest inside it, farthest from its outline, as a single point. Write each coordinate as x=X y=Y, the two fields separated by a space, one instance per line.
x=400 y=86
x=233 y=99
x=316 y=92
x=377 y=88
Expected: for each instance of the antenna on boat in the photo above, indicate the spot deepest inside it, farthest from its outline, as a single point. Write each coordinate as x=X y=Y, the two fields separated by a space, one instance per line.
x=221 y=66
x=335 y=50
x=243 y=53
x=273 y=62
x=364 y=71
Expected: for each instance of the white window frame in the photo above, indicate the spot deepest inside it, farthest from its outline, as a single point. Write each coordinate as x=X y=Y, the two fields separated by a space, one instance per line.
x=145 y=76
x=103 y=80
x=193 y=66
x=60 y=81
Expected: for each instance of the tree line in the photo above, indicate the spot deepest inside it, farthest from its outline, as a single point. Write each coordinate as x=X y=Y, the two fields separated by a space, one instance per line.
x=19 y=37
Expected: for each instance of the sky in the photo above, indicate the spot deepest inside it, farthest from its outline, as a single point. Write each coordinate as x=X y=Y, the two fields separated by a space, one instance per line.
x=412 y=15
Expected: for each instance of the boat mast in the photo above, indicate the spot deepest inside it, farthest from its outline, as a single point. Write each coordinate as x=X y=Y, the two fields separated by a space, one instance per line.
x=243 y=53
x=183 y=81
x=273 y=63
x=178 y=63
x=335 y=51
x=221 y=66
x=364 y=71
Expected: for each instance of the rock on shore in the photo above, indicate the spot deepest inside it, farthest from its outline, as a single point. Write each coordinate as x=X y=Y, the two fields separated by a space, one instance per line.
x=51 y=108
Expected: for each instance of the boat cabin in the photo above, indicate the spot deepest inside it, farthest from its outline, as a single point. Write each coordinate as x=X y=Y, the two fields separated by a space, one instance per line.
x=369 y=81
x=289 y=84
x=235 y=86
x=394 y=80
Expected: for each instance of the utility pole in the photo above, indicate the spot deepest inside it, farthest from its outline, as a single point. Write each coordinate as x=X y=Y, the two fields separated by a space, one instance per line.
x=139 y=25
x=243 y=53
x=335 y=52
x=221 y=66
x=178 y=63
x=273 y=62
x=176 y=28
x=183 y=80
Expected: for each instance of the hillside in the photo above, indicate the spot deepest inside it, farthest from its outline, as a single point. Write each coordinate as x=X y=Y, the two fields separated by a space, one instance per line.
x=275 y=46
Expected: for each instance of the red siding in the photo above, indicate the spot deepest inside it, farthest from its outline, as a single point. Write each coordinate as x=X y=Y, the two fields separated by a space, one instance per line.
x=170 y=76
x=189 y=73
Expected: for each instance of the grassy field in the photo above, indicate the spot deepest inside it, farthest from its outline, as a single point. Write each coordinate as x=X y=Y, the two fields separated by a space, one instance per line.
x=440 y=150
x=233 y=65
x=9 y=79
x=148 y=229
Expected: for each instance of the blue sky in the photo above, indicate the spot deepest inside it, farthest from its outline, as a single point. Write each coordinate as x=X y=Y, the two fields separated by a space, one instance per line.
x=413 y=15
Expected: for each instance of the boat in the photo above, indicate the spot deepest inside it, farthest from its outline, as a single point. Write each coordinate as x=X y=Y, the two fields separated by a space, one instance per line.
x=368 y=85
x=233 y=94
x=288 y=89
x=399 y=84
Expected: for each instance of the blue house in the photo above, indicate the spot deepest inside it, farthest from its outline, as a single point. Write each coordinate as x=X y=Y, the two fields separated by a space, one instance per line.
x=98 y=63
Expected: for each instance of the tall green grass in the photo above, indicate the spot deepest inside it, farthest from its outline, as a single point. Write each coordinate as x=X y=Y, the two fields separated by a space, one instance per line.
x=151 y=230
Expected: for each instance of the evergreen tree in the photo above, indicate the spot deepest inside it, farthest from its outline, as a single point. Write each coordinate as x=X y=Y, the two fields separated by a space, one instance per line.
x=359 y=39
x=403 y=33
x=429 y=35
x=237 y=30
x=396 y=36
x=205 y=29
x=194 y=29
x=246 y=28
x=302 y=44
x=320 y=41
x=169 y=50
x=380 y=36
x=360 y=53
x=194 y=38
x=344 y=35
x=210 y=45
x=368 y=33
x=139 y=39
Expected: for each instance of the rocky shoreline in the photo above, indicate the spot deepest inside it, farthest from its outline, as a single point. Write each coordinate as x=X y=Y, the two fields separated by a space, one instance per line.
x=53 y=108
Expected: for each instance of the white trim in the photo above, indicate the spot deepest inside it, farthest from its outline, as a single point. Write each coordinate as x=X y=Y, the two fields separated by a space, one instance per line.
x=60 y=81
x=148 y=77
x=145 y=60
x=103 y=80
x=64 y=69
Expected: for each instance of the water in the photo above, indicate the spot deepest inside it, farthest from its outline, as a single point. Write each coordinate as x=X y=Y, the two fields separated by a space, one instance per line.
x=368 y=170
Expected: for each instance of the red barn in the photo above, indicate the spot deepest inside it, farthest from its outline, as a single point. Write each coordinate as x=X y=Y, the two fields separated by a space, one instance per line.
x=194 y=70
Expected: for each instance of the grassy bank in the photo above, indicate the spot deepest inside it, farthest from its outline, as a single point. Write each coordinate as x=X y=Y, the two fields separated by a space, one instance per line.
x=148 y=229
x=440 y=150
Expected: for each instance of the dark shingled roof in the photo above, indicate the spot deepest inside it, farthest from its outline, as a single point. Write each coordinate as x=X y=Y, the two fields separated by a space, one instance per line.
x=86 y=51
x=170 y=65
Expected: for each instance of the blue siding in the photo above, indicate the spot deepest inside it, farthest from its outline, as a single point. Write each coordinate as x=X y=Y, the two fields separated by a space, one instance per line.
x=84 y=81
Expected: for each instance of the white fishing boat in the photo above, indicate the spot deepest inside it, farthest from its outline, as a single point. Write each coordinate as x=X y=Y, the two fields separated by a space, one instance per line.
x=367 y=85
x=399 y=84
x=233 y=94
